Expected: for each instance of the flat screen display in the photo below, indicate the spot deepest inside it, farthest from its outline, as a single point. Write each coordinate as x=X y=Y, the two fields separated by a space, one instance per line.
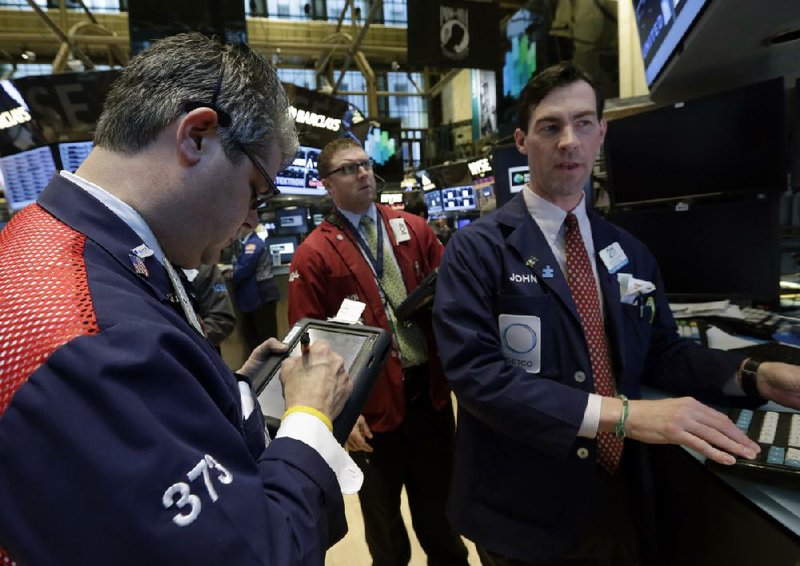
x=26 y=174
x=662 y=27
x=730 y=142
x=463 y=222
x=301 y=177
x=458 y=198
x=712 y=250
x=510 y=172
x=433 y=200
x=149 y=20
x=72 y=154
x=282 y=247
x=292 y=220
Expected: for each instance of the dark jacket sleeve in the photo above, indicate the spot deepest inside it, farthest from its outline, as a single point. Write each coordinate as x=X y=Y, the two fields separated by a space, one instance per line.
x=148 y=453
x=216 y=308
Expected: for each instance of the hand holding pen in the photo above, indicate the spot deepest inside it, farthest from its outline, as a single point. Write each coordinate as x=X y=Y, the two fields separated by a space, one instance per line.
x=316 y=378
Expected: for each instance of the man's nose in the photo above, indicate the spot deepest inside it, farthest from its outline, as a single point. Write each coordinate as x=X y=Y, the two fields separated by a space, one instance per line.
x=251 y=220
x=568 y=138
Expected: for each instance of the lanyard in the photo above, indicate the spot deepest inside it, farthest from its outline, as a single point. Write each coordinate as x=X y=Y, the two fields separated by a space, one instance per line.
x=183 y=298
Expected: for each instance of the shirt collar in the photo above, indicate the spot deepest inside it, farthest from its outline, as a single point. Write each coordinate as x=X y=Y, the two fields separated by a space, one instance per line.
x=355 y=219
x=550 y=217
x=123 y=210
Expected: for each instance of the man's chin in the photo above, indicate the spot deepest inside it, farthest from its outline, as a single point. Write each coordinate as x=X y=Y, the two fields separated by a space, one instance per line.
x=210 y=256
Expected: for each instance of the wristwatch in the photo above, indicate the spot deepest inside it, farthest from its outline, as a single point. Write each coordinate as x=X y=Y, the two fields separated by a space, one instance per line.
x=749 y=373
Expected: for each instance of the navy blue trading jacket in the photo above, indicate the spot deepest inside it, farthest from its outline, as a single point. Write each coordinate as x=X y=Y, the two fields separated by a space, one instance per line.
x=121 y=432
x=523 y=481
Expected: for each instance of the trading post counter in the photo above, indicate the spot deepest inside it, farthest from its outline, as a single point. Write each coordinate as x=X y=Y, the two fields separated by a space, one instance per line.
x=708 y=515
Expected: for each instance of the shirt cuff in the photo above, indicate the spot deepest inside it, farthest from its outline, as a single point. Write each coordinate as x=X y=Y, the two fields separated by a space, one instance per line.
x=591 y=417
x=309 y=430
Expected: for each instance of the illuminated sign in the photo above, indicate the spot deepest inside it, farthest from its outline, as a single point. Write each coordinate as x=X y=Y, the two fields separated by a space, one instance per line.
x=317 y=120
x=14 y=117
x=480 y=168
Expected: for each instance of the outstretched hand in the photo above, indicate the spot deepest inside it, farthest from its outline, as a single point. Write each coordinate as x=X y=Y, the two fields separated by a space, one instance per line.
x=688 y=422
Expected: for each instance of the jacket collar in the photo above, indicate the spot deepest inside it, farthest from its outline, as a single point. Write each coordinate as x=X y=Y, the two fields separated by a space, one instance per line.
x=82 y=212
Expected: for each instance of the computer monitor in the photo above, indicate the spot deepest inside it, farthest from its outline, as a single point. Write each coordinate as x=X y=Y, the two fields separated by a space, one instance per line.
x=735 y=141
x=463 y=222
x=72 y=154
x=510 y=172
x=662 y=28
x=282 y=247
x=459 y=198
x=301 y=177
x=291 y=220
x=26 y=174
x=149 y=20
x=712 y=250
x=433 y=200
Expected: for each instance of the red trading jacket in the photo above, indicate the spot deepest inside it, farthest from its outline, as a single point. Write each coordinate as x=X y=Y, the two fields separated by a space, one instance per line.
x=329 y=267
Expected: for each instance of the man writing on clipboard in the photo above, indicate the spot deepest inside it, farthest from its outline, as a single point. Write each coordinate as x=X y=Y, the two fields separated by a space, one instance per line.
x=369 y=253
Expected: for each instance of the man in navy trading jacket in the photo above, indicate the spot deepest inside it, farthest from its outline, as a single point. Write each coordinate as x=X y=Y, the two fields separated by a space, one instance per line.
x=124 y=438
x=549 y=320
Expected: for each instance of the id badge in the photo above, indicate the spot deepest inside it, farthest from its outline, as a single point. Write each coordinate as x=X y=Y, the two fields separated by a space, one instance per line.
x=521 y=339
x=614 y=258
x=400 y=229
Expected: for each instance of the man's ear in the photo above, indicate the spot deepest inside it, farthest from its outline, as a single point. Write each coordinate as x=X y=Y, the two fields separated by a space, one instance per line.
x=519 y=141
x=193 y=130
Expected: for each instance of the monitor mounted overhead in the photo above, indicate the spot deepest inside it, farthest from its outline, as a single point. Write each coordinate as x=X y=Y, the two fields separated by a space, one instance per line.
x=455 y=199
x=695 y=47
x=730 y=143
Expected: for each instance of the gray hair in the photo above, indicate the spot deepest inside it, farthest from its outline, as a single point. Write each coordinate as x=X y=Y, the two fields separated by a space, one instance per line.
x=154 y=89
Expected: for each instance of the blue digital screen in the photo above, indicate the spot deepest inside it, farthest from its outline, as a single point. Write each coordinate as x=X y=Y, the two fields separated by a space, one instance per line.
x=458 y=198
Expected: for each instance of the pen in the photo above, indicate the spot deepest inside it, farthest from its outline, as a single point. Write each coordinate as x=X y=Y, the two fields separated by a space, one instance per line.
x=305 y=346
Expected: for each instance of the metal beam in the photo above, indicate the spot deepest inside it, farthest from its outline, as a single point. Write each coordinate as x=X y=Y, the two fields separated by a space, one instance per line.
x=361 y=34
x=437 y=88
x=74 y=49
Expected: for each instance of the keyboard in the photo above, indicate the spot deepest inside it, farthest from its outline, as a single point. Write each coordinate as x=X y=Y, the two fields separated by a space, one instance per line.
x=778 y=434
x=772 y=352
x=756 y=323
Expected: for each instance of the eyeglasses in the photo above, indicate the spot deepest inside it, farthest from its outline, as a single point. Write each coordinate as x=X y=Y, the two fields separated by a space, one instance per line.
x=258 y=200
x=352 y=168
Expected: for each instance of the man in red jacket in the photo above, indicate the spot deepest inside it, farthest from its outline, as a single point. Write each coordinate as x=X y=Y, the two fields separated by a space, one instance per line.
x=369 y=253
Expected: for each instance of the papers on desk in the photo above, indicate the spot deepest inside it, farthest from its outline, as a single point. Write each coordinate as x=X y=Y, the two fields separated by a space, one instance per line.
x=715 y=337
x=713 y=308
x=721 y=340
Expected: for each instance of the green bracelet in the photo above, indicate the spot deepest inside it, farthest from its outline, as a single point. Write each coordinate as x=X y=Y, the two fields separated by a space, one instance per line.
x=620 y=430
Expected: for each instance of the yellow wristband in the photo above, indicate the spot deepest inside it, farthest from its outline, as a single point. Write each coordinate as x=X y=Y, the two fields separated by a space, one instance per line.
x=311 y=411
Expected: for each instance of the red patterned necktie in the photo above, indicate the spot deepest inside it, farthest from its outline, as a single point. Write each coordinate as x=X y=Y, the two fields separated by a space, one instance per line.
x=582 y=285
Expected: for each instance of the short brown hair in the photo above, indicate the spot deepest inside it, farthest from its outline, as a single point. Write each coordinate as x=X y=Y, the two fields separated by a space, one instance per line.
x=551 y=78
x=325 y=159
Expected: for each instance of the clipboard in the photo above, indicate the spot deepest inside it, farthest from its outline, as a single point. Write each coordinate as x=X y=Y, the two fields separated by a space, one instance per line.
x=364 y=349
